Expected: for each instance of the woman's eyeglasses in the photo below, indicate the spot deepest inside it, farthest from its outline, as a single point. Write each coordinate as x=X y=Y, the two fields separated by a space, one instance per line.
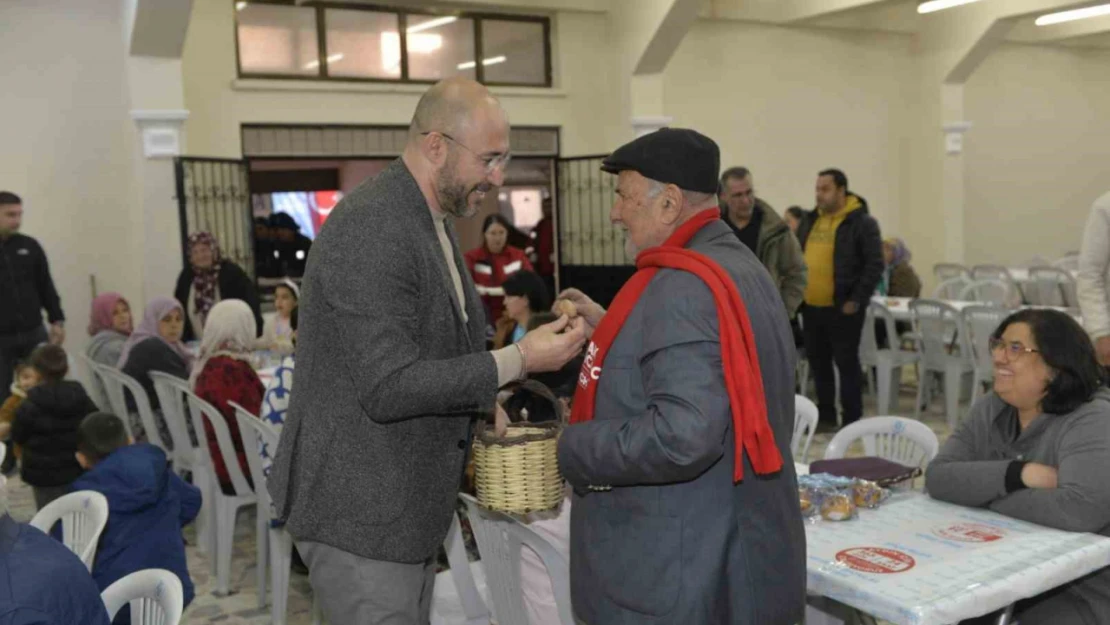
x=1013 y=349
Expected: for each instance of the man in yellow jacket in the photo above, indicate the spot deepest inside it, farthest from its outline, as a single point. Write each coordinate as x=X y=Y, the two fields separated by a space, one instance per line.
x=844 y=253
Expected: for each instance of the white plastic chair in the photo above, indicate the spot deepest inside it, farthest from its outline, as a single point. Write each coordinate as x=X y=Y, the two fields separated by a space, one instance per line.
x=171 y=392
x=887 y=362
x=226 y=506
x=155 y=595
x=1070 y=262
x=3 y=452
x=981 y=322
x=1002 y=274
x=947 y=271
x=94 y=384
x=950 y=289
x=117 y=400
x=118 y=383
x=991 y=291
x=500 y=538
x=805 y=426
x=944 y=349
x=83 y=515
x=250 y=423
x=900 y=440
x=1051 y=286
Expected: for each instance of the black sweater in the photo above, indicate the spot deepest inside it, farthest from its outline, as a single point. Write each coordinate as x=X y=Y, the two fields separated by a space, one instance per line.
x=152 y=355
x=45 y=426
x=26 y=287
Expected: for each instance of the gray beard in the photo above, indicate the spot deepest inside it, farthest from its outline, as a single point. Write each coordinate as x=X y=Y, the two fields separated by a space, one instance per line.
x=452 y=196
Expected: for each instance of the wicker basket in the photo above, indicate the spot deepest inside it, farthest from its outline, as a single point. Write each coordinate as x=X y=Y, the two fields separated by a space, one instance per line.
x=519 y=472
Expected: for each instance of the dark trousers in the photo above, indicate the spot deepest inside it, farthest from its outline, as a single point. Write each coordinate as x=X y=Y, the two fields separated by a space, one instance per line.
x=13 y=349
x=831 y=336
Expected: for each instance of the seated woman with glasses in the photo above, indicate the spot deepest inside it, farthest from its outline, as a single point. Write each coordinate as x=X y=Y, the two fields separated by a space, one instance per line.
x=1038 y=449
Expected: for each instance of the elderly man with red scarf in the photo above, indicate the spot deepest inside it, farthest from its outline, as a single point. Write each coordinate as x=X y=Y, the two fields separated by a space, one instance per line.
x=686 y=505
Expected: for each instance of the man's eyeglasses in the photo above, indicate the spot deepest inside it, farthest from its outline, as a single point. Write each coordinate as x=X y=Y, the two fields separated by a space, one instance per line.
x=1013 y=350
x=491 y=162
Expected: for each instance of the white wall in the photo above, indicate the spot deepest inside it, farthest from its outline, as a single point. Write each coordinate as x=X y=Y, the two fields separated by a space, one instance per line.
x=1038 y=154
x=68 y=145
x=787 y=103
x=579 y=104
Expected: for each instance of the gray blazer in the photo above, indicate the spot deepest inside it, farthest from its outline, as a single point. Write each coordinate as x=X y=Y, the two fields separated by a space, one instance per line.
x=970 y=470
x=389 y=380
x=675 y=541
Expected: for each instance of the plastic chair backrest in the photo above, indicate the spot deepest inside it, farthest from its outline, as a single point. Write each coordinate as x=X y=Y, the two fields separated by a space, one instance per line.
x=256 y=433
x=1070 y=262
x=951 y=288
x=805 y=426
x=991 y=272
x=83 y=515
x=1051 y=286
x=947 y=271
x=155 y=595
x=500 y=538
x=115 y=377
x=201 y=411
x=94 y=384
x=990 y=291
x=900 y=440
x=981 y=322
x=939 y=329
x=117 y=400
x=868 y=344
x=171 y=392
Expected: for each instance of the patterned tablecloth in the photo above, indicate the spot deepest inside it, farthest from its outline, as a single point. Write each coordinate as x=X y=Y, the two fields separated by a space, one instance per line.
x=918 y=561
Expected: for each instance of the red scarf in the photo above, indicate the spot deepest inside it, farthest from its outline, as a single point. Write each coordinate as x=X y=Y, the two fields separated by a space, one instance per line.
x=743 y=378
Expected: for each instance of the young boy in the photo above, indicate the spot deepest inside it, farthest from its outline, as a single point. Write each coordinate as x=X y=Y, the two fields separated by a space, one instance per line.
x=148 y=504
x=45 y=426
x=26 y=378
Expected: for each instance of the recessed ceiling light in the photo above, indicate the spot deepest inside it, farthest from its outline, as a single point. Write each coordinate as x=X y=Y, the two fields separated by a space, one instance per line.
x=1075 y=14
x=939 y=5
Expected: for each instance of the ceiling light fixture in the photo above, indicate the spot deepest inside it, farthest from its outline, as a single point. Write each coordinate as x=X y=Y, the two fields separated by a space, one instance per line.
x=493 y=60
x=428 y=25
x=239 y=6
x=332 y=58
x=1071 y=16
x=939 y=5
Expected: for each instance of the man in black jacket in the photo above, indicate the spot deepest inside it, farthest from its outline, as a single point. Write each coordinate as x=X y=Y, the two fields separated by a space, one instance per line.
x=26 y=288
x=844 y=252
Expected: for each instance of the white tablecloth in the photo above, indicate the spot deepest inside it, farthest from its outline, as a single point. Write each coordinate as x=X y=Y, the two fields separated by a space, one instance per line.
x=900 y=306
x=918 y=561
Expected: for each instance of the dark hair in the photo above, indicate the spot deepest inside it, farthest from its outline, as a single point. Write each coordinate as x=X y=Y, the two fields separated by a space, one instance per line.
x=293 y=315
x=493 y=218
x=796 y=212
x=291 y=290
x=7 y=197
x=738 y=173
x=99 y=435
x=50 y=361
x=528 y=284
x=1068 y=351
x=541 y=319
x=20 y=366
x=838 y=177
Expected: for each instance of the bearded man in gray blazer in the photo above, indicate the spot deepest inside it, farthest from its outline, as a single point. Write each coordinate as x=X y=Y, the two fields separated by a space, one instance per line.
x=392 y=369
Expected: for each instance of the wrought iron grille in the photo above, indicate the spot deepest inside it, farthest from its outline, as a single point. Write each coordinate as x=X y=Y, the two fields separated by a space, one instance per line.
x=213 y=196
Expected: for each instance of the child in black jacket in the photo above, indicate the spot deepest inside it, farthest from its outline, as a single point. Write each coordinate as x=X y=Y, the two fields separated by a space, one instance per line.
x=45 y=426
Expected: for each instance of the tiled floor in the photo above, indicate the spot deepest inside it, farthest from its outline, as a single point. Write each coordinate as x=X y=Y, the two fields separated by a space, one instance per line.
x=241 y=607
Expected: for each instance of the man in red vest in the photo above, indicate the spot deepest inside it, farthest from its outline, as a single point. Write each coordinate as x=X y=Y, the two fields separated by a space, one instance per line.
x=686 y=505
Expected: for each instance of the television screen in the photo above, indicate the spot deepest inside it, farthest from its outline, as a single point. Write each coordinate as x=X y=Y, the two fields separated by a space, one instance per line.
x=310 y=209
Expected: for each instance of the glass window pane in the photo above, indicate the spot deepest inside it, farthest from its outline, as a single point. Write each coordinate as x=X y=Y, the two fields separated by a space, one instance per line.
x=513 y=52
x=440 y=47
x=277 y=39
x=363 y=44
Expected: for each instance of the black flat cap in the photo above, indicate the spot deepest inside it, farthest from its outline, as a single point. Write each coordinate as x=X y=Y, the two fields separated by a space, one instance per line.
x=679 y=156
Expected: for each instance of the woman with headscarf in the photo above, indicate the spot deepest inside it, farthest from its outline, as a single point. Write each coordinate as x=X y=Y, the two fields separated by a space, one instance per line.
x=155 y=346
x=494 y=261
x=207 y=280
x=110 y=324
x=224 y=373
x=899 y=279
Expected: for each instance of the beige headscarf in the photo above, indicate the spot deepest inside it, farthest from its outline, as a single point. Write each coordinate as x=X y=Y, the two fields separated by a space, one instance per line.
x=230 y=331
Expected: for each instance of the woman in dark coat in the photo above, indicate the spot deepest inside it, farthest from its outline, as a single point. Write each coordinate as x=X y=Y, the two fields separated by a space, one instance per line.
x=209 y=279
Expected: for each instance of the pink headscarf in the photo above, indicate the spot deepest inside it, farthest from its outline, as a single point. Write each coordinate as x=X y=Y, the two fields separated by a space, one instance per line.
x=100 y=317
x=156 y=309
